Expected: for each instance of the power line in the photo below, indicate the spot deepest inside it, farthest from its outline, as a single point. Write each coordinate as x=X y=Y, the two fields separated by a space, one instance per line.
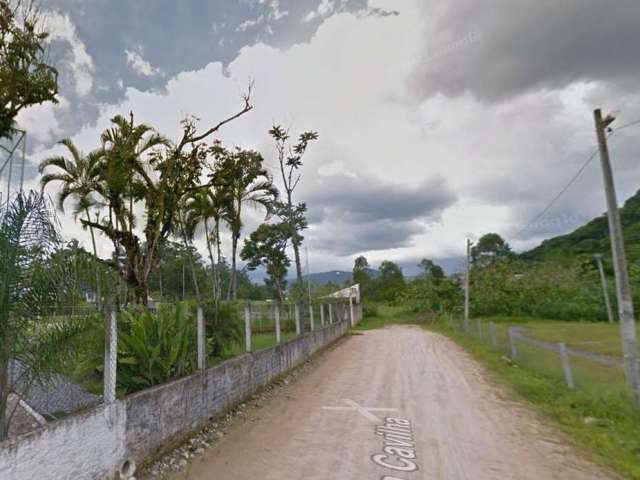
x=575 y=177
x=563 y=191
x=626 y=125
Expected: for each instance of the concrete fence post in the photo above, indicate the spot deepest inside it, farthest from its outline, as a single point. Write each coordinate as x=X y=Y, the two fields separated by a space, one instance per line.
x=566 y=365
x=277 y=322
x=311 y=315
x=110 y=357
x=330 y=313
x=297 y=316
x=512 y=344
x=322 y=314
x=202 y=349
x=351 y=315
x=247 y=327
x=492 y=335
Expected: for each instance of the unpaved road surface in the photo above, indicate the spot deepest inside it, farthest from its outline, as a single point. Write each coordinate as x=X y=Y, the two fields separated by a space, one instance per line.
x=398 y=403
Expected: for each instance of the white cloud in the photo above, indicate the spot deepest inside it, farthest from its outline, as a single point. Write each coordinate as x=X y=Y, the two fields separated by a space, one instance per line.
x=275 y=14
x=40 y=121
x=325 y=8
x=349 y=82
x=139 y=65
x=247 y=24
x=61 y=28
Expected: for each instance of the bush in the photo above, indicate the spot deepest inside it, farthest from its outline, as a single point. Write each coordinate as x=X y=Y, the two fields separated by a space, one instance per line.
x=369 y=310
x=223 y=327
x=156 y=348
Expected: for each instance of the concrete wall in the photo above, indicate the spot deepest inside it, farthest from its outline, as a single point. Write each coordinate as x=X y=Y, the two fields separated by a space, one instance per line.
x=158 y=417
x=87 y=445
x=95 y=444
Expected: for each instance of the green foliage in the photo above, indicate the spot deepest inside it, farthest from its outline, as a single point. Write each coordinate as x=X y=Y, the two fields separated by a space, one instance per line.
x=156 y=348
x=361 y=276
x=567 y=290
x=25 y=77
x=390 y=282
x=290 y=161
x=593 y=238
x=241 y=173
x=431 y=271
x=223 y=328
x=490 y=248
x=370 y=310
x=31 y=284
x=614 y=441
x=267 y=247
x=429 y=295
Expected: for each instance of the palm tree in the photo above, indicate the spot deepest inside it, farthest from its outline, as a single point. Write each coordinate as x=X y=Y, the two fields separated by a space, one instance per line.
x=80 y=177
x=242 y=175
x=203 y=205
x=125 y=145
x=125 y=178
x=31 y=281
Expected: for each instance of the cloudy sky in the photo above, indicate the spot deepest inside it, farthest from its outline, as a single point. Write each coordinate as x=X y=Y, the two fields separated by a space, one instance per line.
x=438 y=119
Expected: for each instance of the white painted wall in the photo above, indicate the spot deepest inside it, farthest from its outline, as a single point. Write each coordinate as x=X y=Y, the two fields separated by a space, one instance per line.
x=92 y=443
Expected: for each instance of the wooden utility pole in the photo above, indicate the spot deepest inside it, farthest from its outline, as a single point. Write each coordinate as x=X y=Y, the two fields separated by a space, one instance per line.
x=623 y=289
x=466 y=288
x=605 y=290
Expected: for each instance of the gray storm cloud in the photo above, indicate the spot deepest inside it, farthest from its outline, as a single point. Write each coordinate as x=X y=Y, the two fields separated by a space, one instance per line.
x=357 y=214
x=502 y=48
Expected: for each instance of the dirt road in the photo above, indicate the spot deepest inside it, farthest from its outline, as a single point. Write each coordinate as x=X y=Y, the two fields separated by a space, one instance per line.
x=391 y=404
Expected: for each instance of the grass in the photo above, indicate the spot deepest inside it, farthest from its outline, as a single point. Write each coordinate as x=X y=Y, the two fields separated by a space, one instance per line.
x=614 y=439
x=596 y=337
x=389 y=315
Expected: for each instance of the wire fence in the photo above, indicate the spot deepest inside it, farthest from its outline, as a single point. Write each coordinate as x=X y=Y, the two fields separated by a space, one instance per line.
x=94 y=357
x=577 y=369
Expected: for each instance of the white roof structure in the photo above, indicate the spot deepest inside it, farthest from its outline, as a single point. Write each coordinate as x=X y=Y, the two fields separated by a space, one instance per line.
x=349 y=292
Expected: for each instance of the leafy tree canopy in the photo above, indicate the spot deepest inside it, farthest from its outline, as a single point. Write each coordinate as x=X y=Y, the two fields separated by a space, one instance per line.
x=431 y=271
x=266 y=247
x=25 y=77
x=489 y=248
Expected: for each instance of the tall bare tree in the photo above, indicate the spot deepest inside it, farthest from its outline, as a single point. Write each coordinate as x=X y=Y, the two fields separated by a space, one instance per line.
x=290 y=161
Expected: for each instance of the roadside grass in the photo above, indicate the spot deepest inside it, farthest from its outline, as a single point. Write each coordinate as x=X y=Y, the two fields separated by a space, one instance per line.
x=389 y=315
x=259 y=341
x=598 y=415
x=597 y=337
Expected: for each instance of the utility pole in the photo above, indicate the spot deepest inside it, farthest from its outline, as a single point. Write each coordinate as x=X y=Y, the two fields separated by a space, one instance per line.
x=306 y=250
x=311 y=320
x=605 y=290
x=466 y=288
x=623 y=290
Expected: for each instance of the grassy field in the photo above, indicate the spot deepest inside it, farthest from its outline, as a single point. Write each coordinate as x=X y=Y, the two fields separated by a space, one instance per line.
x=596 y=337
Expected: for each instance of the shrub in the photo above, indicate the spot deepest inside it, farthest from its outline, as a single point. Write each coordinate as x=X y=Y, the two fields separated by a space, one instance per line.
x=223 y=327
x=370 y=310
x=156 y=348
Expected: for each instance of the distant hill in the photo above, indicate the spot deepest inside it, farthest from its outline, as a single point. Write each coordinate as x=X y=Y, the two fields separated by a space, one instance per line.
x=594 y=237
x=337 y=277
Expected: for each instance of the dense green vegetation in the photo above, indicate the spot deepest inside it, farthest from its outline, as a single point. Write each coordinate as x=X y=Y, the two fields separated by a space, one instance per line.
x=593 y=238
